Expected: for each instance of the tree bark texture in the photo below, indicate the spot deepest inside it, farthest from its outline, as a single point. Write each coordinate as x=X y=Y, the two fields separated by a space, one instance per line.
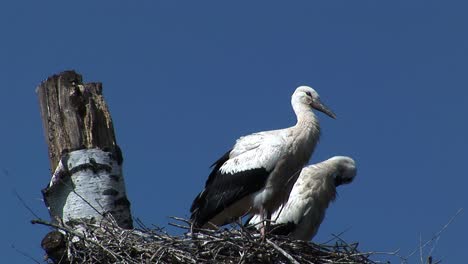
x=74 y=116
x=87 y=181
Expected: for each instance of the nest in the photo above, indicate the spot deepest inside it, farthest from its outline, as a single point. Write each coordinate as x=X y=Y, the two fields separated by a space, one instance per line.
x=105 y=242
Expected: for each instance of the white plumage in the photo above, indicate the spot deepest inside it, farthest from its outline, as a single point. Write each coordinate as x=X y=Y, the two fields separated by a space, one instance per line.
x=256 y=175
x=313 y=191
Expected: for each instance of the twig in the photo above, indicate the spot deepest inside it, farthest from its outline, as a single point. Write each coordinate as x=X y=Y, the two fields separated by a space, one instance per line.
x=73 y=232
x=180 y=219
x=179 y=226
x=437 y=234
x=106 y=243
x=339 y=234
x=421 y=249
x=284 y=253
x=25 y=205
x=25 y=254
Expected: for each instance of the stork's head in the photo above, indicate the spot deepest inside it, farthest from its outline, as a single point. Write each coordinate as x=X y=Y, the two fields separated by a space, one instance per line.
x=307 y=98
x=345 y=169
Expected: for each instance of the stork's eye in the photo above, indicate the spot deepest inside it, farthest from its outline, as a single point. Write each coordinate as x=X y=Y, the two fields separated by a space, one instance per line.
x=309 y=94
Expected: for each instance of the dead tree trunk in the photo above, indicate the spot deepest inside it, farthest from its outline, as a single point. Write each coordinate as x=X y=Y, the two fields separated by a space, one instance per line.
x=85 y=160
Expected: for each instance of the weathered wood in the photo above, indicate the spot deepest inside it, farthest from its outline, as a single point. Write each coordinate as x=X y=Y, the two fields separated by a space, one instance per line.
x=85 y=160
x=74 y=116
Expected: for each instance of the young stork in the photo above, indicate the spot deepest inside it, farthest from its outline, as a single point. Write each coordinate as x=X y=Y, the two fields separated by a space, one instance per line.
x=313 y=191
x=258 y=173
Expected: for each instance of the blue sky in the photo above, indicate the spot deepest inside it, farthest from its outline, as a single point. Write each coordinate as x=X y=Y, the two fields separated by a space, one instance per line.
x=183 y=80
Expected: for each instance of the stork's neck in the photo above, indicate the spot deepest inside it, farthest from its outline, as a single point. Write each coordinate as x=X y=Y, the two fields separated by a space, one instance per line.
x=306 y=119
x=306 y=134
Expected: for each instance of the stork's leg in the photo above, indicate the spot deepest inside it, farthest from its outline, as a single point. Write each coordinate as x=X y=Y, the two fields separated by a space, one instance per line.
x=265 y=218
x=268 y=220
x=262 y=224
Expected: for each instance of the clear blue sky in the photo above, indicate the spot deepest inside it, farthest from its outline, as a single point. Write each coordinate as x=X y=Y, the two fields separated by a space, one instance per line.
x=183 y=80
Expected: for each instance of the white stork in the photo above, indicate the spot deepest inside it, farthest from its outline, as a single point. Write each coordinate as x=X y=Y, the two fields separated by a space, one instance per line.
x=313 y=191
x=258 y=173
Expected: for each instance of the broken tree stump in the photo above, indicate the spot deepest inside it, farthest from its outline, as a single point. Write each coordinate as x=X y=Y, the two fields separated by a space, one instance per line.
x=85 y=160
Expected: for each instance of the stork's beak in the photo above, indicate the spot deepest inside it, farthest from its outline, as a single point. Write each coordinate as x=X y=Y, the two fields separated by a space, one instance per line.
x=316 y=104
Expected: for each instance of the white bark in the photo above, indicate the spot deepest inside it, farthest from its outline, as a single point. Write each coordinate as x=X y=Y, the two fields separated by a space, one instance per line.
x=88 y=184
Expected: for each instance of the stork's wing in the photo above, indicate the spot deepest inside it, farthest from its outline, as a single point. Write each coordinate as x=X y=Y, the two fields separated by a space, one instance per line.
x=242 y=171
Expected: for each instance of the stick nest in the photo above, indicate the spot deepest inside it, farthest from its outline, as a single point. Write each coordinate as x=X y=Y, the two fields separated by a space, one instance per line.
x=107 y=243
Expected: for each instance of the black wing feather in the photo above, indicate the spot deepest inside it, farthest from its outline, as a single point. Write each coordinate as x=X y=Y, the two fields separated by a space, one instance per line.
x=222 y=190
x=216 y=166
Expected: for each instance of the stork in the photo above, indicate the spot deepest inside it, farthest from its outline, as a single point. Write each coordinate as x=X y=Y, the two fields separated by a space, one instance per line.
x=310 y=197
x=258 y=173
